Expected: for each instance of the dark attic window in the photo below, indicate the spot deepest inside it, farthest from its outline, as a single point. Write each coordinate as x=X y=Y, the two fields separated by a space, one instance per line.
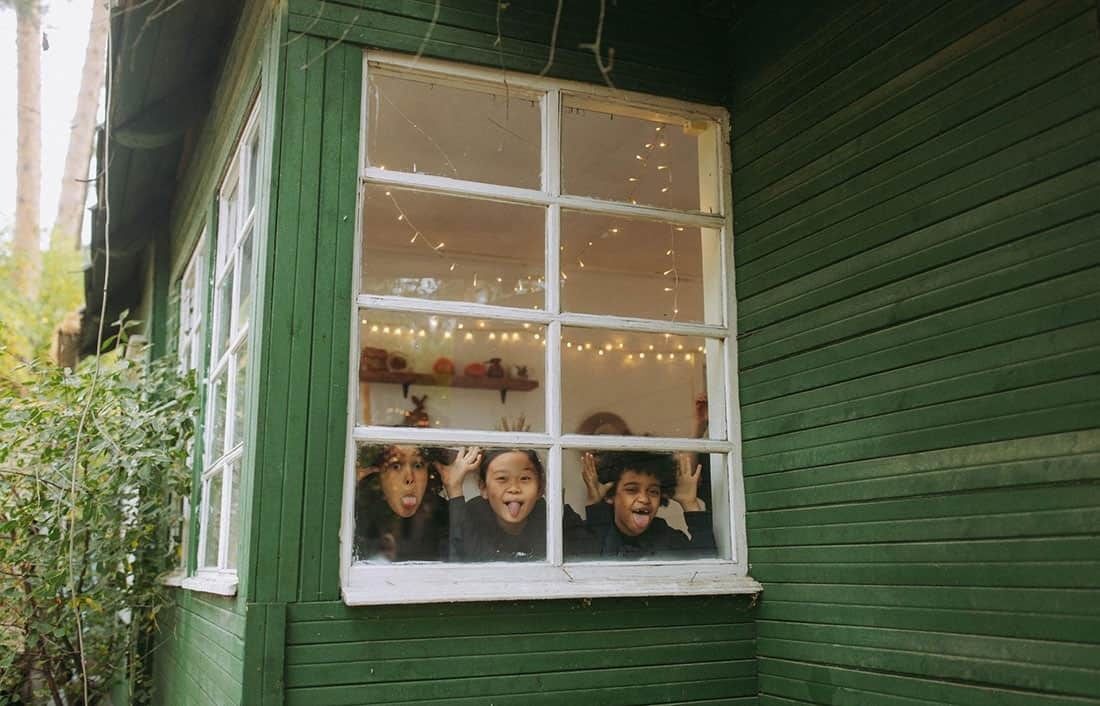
x=544 y=401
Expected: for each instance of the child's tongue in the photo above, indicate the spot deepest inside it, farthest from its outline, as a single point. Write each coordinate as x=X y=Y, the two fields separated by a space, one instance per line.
x=513 y=508
x=641 y=521
x=408 y=501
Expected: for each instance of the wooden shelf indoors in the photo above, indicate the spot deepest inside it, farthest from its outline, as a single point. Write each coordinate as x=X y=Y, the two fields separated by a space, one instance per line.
x=405 y=380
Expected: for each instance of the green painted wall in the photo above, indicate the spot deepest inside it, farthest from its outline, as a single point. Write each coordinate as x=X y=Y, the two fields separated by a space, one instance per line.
x=917 y=192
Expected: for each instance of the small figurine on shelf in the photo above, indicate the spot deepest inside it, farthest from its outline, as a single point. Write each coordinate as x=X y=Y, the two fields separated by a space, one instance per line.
x=444 y=366
x=398 y=362
x=418 y=417
x=474 y=370
x=521 y=372
x=372 y=360
x=496 y=370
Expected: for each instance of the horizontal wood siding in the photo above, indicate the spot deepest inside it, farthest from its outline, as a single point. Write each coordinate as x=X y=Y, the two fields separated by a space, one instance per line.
x=198 y=653
x=601 y=652
x=917 y=211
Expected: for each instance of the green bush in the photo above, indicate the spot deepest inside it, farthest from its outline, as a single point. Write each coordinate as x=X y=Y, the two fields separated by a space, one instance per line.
x=90 y=462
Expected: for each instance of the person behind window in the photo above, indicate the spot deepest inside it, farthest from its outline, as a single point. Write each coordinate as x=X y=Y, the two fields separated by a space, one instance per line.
x=399 y=514
x=508 y=521
x=625 y=490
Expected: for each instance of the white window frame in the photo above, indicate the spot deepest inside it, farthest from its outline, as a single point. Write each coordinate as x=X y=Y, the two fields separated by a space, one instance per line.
x=235 y=226
x=371 y=584
x=189 y=353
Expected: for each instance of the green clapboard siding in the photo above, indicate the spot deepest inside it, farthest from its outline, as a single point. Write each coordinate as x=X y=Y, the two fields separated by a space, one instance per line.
x=917 y=205
x=198 y=653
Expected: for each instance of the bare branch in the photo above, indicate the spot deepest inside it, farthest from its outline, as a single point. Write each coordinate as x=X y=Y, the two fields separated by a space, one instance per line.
x=553 y=39
x=597 y=51
x=431 y=28
x=330 y=47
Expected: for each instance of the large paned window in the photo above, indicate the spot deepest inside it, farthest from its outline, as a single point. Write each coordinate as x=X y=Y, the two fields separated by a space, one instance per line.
x=543 y=383
x=234 y=276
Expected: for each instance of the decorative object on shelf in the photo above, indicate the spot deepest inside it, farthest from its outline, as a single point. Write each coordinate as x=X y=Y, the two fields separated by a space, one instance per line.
x=474 y=370
x=473 y=379
x=398 y=362
x=373 y=360
x=521 y=372
x=443 y=366
x=418 y=416
x=518 y=424
x=602 y=423
x=495 y=370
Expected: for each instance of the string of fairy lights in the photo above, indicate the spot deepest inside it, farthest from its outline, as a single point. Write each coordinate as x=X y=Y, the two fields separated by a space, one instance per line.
x=669 y=351
x=649 y=165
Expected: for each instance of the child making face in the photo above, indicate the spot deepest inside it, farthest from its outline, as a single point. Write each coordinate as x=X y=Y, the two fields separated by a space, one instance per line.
x=399 y=515
x=508 y=521
x=625 y=490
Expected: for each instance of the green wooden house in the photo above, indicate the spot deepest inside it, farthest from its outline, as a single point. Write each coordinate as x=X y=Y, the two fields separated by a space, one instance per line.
x=836 y=260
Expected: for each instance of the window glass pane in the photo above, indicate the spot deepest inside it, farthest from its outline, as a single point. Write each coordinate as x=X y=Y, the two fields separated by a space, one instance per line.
x=238 y=394
x=244 y=290
x=644 y=269
x=253 y=169
x=641 y=384
x=234 y=529
x=459 y=372
x=222 y=302
x=213 y=509
x=643 y=505
x=423 y=503
x=217 y=416
x=475 y=135
x=624 y=158
x=423 y=245
x=229 y=225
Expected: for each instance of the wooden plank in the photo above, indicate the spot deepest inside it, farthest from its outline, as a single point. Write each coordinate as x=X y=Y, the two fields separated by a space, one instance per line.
x=736 y=657
x=517 y=643
x=321 y=415
x=803 y=692
x=943 y=691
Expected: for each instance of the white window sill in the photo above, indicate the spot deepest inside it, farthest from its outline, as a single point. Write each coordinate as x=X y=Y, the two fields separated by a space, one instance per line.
x=431 y=583
x=220 y=583
x=175 y=577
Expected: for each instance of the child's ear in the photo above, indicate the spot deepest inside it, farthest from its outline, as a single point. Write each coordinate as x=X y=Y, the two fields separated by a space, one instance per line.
x=484 y=491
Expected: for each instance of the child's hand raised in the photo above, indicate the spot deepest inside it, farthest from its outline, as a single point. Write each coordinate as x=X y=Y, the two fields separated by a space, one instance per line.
x=596 y=490
x=452 y=475
x=687 y=483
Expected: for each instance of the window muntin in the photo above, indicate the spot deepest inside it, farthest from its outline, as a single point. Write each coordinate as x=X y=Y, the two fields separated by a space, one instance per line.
x=707 y=321
x=233 y=284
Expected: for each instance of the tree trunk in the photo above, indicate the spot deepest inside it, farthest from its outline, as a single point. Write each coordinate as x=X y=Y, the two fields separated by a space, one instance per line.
x=74 y=184
x=26 y=250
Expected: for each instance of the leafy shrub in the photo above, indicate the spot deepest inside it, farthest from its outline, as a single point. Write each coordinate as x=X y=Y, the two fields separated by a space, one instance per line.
x=90 y=462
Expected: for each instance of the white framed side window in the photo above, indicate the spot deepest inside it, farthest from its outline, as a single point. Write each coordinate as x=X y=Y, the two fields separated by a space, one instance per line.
x=189 y=350
x=228 y=359
x=544 y=396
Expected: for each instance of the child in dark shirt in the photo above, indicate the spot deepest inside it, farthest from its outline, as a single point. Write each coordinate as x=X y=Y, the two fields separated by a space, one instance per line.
x=625 y=490
x=399 y=515
x=508 y=521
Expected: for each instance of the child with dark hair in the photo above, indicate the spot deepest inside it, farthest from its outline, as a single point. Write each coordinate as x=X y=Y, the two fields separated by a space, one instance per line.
x=625 y=490
x=508 y=521
x=399 y=514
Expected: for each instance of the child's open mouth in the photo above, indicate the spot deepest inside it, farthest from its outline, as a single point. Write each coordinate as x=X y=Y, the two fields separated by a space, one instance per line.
x=514 y=508
x=641 y=518
x=408 y=501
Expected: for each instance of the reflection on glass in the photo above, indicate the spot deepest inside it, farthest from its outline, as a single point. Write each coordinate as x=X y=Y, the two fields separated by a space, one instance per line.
x=421 y=503
x=448 y=372
x=217 y=422
x=223 y=301
x=628 y=159
x=234 y=528
x=417 y=244
x=239 y=390
x=638 y=505
x=645 y=269
x=213 y=492
x=479 y=136
x=244 y=291
x=651 y=381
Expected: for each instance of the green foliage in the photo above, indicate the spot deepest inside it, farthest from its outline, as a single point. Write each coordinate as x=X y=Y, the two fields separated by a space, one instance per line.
x=89 y=470
x=26 y=327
